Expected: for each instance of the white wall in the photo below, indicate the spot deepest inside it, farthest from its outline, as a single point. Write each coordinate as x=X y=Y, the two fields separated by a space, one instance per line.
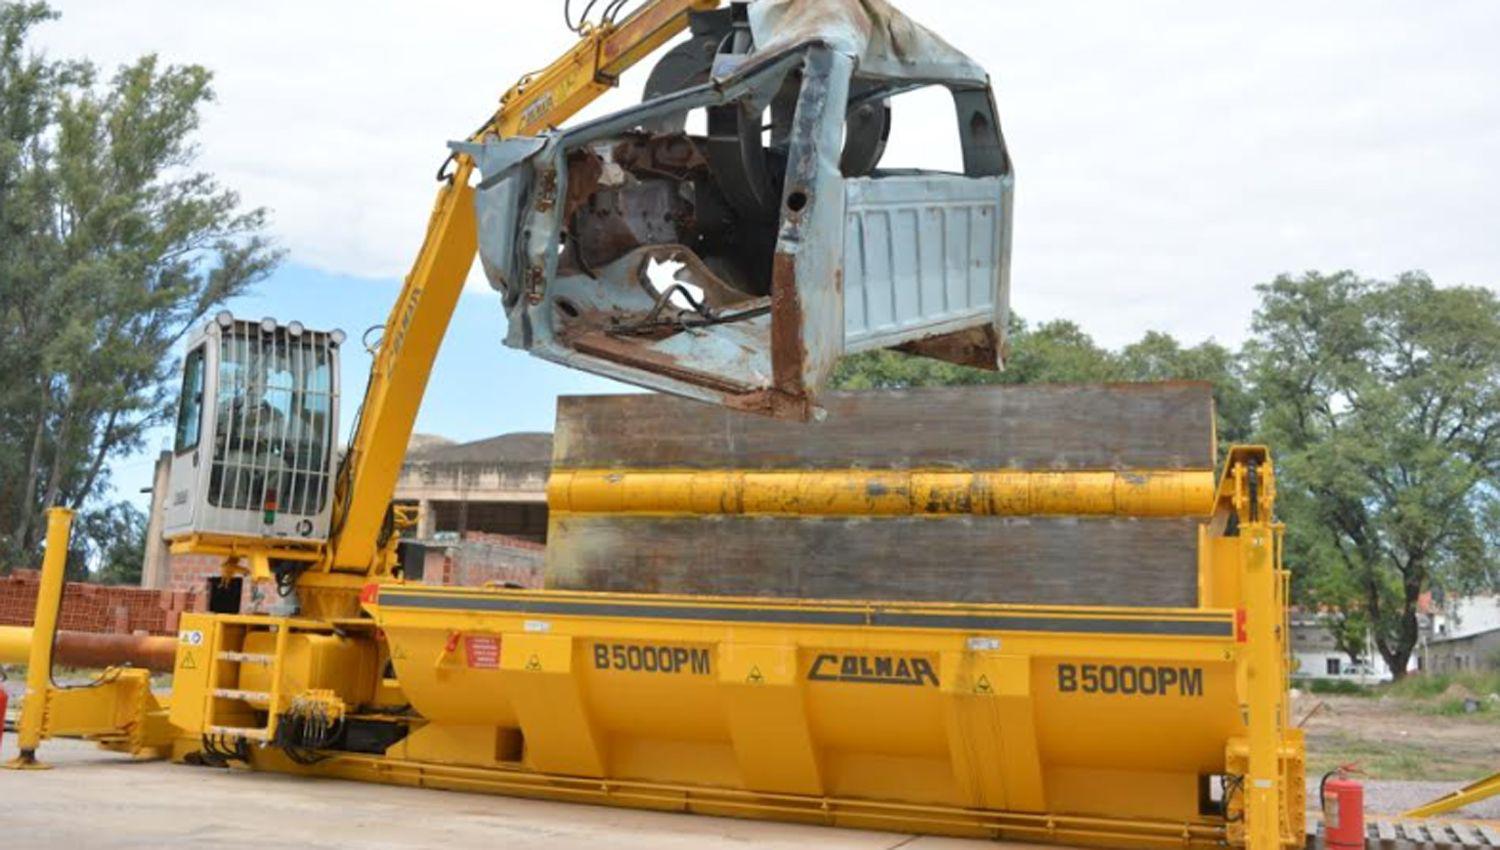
x=1314 y=665
x=1467 y=615
x=1311 y=654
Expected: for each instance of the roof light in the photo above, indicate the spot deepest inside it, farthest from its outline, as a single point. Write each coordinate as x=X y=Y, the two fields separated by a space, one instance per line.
x=268 y=325
x=295 y=329
x=337 y=336
x=225 y=319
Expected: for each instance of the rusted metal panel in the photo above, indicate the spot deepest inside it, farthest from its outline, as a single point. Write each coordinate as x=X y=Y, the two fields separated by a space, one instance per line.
x=1049 y=561
x=954 y=557
x=1056 y=426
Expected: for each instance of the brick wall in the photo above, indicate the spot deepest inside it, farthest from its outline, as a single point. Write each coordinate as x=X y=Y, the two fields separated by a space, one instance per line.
x=478 y=559
x=481 y=558
x=97 y=607
x=192 y=572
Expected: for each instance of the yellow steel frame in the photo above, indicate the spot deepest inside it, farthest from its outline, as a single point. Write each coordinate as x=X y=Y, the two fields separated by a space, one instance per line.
x=118 y=709
x=991 y=694
x=832 y=811
x=1472 y=793
x=44 y=627
x=972 y=749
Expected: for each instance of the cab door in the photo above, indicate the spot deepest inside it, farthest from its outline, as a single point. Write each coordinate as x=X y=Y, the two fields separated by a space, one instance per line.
x=191 y=442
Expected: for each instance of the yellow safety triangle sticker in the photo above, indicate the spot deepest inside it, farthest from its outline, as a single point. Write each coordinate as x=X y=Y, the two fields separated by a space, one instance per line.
x=533 y=663
x=982 y=686
x=187 y=661
x=755 y=678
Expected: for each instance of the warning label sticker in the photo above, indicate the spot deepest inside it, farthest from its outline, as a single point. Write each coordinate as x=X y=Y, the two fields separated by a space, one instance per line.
x=482 y=651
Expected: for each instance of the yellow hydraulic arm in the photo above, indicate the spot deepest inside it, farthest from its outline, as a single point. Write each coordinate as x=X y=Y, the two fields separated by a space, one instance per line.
x=414 y=331
x=1468 y=795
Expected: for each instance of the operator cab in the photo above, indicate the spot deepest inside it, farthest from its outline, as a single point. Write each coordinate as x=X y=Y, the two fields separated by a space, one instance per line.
x=254 y=448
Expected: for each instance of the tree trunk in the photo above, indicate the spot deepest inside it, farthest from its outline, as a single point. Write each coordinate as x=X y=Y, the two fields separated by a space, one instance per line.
x=106 y=442
x=1398 y=661
x=59 y=458
x=1398 y=654
x=28 y=484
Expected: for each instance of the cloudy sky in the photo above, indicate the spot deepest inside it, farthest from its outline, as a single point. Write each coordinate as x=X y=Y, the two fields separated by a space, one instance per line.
x=1170 y=155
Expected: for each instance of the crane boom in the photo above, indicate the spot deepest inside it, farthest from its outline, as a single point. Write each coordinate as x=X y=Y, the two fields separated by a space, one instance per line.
x=419 y=319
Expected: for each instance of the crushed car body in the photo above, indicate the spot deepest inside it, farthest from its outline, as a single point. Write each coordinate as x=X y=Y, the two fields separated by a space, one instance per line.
x=736 y=264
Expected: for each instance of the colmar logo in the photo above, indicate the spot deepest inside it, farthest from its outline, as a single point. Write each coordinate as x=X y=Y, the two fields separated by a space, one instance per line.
x=872 y=670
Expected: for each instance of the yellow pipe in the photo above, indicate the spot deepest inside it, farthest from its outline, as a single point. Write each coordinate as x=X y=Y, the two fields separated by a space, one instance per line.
x=858 y=492
x=44 y=627
x=15 y=644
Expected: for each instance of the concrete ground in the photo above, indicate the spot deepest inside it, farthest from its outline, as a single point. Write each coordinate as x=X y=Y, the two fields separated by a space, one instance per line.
x=97 y=799
x=1394 y=796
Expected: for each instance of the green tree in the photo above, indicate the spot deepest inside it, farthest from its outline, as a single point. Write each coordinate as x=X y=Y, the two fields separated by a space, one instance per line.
x=1054 y=352
x=113 y=246
x=1382 y=403
x=28 y=99
x=1060 y=352
x=109 y=544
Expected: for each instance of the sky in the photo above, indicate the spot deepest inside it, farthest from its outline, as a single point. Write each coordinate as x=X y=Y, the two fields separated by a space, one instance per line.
x=1169 y=155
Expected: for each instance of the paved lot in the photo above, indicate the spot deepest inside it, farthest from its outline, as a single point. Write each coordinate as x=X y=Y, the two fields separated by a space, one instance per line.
x=101 y=800
x=97 y=799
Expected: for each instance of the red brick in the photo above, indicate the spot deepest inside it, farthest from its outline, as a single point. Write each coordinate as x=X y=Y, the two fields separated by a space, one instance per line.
x=90 y=607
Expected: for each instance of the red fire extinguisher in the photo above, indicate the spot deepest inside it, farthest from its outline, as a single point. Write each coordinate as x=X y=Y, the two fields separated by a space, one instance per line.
x=1343 y=809
x=4 y=699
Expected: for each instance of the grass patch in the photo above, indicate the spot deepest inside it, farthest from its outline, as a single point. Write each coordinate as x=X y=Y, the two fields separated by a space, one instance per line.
x=1336 y=687
x=1425 y=687
x=1484 y=709
x=1387 y=759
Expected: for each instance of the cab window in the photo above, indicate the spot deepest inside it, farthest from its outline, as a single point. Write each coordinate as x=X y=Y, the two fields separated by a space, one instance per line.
x=190 y=403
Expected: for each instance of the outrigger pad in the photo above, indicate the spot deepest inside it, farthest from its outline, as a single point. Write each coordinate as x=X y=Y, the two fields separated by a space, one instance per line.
x=736 y=264
x=953 y=557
